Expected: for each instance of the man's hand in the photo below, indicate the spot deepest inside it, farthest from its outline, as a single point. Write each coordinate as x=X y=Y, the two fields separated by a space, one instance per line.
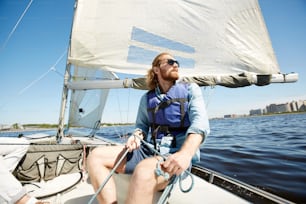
x=133 y=141
x=176 y=163
x=180 y=161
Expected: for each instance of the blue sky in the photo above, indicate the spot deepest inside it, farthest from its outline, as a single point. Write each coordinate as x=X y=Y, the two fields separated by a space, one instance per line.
x=32 y=63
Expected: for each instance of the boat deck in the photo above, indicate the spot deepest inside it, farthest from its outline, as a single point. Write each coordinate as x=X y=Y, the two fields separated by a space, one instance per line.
x=202 y=192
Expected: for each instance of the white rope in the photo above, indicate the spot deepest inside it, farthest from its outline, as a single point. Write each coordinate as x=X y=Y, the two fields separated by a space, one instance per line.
x=159 y=172
x=52 y=68
x=15 y=27
x=209 y=95
x=34 y=82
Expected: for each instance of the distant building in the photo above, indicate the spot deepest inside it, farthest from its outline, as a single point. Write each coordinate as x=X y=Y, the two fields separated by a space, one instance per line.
x=231 y=116
x=227 y=116
x=303 y=106
x=294 y=106
x=300 y=105
x=256 y=112
x=278 y=108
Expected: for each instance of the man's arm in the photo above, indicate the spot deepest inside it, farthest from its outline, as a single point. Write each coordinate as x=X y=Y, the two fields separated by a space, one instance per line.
x=180 y=161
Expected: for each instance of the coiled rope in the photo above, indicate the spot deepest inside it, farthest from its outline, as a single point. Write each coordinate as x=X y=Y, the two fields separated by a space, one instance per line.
x=160 y=172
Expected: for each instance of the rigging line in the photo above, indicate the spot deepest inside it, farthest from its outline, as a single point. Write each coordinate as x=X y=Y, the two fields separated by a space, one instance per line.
x=52 y=68
x=59 y=59
x=34 y=82
x=119 y=107
x=128 y=105
x=210 y=92
x=56 y=62
x=15 y=27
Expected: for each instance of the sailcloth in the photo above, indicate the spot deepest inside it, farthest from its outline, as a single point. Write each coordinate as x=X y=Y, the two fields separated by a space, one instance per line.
x=222 y=42
x=86 y=106
x=209 y=38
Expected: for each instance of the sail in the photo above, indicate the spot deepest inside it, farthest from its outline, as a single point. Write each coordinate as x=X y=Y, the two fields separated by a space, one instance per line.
x=86 y=106
x=217 y=41
x=222 y=42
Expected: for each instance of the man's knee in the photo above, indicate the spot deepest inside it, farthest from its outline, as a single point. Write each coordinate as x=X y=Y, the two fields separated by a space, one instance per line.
x=93 y=158
x=144 y=171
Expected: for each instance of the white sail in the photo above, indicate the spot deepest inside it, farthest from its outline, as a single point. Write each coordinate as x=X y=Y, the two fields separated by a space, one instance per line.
x=86 y=106
x=222 y=42
x=209 y=38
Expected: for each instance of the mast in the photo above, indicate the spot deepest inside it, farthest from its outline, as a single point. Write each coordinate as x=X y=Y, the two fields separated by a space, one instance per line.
x=67 y=76
x=61 y=122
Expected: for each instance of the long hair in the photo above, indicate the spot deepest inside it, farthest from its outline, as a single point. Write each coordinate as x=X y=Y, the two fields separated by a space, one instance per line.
x=151 y=78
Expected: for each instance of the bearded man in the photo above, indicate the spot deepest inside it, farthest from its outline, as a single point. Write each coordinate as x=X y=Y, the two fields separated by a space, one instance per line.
x=171 y=119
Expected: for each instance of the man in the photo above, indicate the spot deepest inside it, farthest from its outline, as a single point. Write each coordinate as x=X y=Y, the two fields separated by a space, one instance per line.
x=12 y=150
x=175 y=112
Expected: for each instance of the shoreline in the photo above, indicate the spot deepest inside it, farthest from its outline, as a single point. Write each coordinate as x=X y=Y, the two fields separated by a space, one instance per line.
x=263 y=115
x=27 y=129
x=47 y=127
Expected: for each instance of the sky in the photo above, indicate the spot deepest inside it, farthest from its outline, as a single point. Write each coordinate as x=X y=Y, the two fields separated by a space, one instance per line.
x=34 y=37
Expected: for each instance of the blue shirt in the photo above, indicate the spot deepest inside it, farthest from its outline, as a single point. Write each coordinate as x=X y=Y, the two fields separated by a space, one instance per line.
x=197 y=116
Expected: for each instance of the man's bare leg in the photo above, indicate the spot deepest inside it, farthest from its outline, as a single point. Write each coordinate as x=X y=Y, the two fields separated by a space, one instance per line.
x=100 y=161
x=144 y=182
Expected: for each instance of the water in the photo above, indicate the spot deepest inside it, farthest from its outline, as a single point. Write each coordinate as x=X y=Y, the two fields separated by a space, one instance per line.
x=268 y=152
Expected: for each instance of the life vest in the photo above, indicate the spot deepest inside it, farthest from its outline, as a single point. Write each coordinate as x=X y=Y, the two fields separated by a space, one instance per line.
x=169 y=115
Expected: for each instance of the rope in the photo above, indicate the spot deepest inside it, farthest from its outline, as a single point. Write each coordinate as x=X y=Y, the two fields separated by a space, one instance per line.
x=52 y=68
x=16 y=25
x=160 y=172
x=35 y=81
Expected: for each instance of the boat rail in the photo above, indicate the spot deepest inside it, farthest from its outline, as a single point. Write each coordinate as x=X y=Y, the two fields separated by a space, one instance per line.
x=243 y=190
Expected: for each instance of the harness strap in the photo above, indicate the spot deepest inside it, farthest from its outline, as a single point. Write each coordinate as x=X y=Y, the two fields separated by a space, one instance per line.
x=165 y=104
x=168 y=129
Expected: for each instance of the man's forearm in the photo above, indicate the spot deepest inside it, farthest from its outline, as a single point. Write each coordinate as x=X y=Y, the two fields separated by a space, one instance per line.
x=192 y=143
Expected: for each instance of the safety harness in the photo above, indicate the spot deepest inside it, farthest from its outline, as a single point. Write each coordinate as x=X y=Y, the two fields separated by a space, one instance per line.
x=168 y=115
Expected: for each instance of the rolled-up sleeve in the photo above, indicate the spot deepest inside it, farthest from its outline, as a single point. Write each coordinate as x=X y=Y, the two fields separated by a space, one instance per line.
x=197 y=112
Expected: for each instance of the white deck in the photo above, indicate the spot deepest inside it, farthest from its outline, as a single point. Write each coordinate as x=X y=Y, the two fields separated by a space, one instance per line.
x=202 y=192
x=81 y=193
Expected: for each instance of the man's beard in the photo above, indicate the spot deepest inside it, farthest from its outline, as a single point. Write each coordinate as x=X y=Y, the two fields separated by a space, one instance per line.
x=170 y=76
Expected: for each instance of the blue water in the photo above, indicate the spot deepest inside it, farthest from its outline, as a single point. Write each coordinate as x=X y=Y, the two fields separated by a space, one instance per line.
x=268 y=152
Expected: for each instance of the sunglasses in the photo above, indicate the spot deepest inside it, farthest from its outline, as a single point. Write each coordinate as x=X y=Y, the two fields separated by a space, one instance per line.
x=171 y=62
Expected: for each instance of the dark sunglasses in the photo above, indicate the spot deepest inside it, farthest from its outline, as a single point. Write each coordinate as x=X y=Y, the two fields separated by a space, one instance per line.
x=171 y=62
